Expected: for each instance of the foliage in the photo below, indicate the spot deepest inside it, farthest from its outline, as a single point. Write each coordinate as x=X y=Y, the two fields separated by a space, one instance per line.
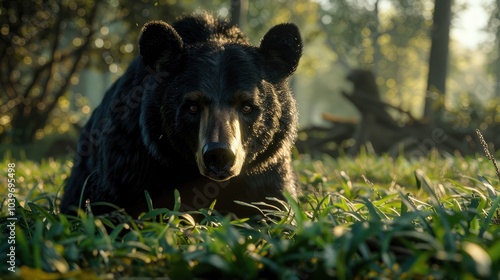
x=364 y=217
x=43 y=45
x=386 y=41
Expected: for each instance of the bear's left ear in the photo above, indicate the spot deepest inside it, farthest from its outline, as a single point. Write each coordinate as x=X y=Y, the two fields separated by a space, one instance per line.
x=159 y=43
x=282 y=49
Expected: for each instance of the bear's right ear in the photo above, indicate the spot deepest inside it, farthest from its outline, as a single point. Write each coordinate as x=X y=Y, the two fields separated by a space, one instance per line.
x=282 y=49
x=159 y=43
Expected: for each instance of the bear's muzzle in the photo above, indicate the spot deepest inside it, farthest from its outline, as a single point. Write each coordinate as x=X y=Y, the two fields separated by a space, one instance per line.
x=218 y=159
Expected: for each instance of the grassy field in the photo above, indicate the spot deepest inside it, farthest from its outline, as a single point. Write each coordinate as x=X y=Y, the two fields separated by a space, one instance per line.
x=364 y=217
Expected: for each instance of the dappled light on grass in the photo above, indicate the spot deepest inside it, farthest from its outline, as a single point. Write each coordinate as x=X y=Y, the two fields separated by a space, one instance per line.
x=362 y=217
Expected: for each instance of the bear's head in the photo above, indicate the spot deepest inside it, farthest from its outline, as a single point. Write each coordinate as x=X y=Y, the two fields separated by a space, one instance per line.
x=221 y=103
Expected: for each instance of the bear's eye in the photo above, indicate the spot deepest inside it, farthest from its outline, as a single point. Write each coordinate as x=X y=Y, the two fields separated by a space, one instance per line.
x=246 y=108
x=193 y=108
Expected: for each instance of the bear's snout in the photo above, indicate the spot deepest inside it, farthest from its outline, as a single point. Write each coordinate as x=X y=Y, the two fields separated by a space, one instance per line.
x=219 y=159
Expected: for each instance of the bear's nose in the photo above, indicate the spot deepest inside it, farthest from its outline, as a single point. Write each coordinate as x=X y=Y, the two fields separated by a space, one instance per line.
x=218 y=158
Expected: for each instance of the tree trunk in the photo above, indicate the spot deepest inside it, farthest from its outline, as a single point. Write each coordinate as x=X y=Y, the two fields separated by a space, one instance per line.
x=239 y=10
x=375 y=36
x=497 y=61
x=438 y=60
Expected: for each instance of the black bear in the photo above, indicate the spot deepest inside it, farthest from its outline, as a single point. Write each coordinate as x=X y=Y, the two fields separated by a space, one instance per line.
x=201 y=111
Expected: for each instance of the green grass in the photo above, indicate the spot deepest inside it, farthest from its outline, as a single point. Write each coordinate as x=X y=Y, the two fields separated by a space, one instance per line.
x=366 y=217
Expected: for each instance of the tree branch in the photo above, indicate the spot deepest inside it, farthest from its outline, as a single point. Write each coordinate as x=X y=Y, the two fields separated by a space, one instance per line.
x=40 y=70
x=75 y=66
x=375 y=103
x=47 y=82
x=8 y=79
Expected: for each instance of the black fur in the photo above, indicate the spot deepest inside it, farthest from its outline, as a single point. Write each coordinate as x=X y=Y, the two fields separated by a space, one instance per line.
x=145 y=134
